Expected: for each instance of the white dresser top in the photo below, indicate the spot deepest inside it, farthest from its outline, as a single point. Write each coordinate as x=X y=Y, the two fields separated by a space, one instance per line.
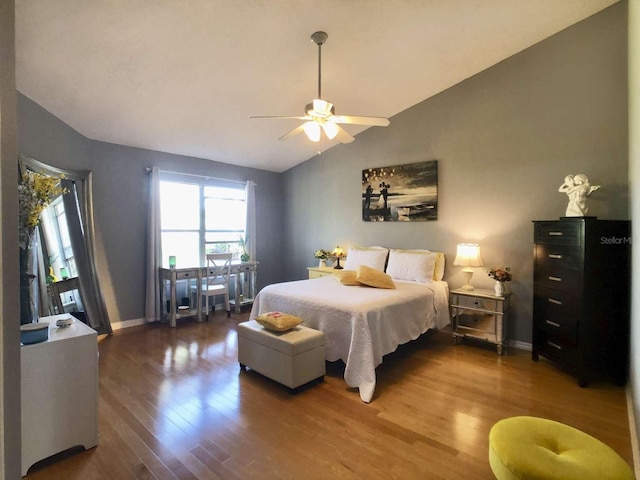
x=76 y=329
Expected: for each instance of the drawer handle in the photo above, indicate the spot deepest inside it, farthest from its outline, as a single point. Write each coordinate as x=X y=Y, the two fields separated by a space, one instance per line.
x=554 y=345
x=555 y=255
x=556 y=234
x=555 y=279
x=553 y=324
x=554 y=301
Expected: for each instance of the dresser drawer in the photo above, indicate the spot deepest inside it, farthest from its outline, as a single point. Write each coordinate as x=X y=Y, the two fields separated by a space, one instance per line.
x=557 y=313
x=558 y=233
x=556 y=302
x=559 y=256
x=555 y=348
x=561 y=279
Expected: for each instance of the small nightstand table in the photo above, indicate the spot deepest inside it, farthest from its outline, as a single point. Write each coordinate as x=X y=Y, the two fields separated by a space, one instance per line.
x=317 y=272
x=480 y=314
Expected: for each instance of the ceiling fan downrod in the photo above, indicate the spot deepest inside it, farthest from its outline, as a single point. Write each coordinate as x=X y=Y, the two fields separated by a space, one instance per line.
x=319 y=38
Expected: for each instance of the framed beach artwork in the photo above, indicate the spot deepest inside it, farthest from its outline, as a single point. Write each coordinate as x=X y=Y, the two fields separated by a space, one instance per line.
x=400 y=193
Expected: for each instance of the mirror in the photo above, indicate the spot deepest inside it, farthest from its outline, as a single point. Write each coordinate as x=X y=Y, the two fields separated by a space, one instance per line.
x=65 y=269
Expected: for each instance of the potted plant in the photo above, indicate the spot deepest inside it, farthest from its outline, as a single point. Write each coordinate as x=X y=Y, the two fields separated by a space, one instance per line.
x=244 y=256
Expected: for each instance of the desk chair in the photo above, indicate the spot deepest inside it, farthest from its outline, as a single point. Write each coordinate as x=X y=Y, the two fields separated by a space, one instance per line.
x=217 y=279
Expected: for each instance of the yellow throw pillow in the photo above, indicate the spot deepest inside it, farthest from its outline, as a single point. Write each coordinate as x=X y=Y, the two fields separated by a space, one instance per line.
x=374 y=278
x=346 y=277
x=278 y=321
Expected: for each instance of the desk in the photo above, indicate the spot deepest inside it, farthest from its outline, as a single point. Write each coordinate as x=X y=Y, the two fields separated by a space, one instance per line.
x=57 y=288
x=245 y=276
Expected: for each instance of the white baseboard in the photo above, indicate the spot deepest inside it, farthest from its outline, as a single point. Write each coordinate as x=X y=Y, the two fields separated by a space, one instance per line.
x=127 y=323
x=140 y=321
x=520 y=345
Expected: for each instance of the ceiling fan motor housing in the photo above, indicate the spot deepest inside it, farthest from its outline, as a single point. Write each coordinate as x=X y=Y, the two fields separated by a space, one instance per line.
x=310 y=111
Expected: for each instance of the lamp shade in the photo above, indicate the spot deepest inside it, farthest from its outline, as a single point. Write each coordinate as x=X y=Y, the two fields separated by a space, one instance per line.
x=338 y=253
x=468 y=255
x=330 y=129
x=312 y=129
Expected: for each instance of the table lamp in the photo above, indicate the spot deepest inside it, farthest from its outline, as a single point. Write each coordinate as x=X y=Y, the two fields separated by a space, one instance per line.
x=468 y=255
x=338 y=253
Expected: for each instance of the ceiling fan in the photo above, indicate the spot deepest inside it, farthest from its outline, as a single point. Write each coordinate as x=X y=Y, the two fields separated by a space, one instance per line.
x=320 y=115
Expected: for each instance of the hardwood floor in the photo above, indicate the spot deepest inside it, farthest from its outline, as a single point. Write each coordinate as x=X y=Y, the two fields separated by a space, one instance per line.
x=175 y=405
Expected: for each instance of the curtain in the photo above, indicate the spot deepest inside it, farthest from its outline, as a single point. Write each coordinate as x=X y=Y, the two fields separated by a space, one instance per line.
x=152 y=308
x=250 y=229
x=79 y=213
x=39 y=286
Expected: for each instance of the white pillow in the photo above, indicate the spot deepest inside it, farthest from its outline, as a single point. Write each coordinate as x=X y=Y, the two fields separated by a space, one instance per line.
x=374 y=257
x=413 y=265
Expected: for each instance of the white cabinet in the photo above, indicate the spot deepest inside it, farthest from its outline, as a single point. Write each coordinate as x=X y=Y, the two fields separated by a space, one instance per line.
x=317 y=272
x=59 y=387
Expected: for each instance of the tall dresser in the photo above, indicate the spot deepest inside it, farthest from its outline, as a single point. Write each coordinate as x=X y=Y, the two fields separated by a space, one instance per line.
x=581 y=296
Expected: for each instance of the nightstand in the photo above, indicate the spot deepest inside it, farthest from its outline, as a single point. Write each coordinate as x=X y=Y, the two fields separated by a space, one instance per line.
x=317 y=272
x=480 y=314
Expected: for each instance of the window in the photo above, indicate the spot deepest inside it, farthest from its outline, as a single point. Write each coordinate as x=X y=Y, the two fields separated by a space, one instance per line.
x=200 y=218
x=57 y=240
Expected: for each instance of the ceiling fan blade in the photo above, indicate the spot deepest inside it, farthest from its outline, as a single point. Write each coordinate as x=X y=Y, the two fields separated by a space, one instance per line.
x=354 y=120
x=343 y=136
x=295 y=131
x=277 y=116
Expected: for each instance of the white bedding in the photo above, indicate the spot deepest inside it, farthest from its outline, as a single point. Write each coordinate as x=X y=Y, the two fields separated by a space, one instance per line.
x=360 y=324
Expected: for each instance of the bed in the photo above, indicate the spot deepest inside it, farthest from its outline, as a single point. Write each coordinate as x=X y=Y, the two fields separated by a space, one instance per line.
x=361 y=324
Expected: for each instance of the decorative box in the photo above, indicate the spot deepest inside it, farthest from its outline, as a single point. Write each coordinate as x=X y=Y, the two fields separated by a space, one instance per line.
x=34 y=333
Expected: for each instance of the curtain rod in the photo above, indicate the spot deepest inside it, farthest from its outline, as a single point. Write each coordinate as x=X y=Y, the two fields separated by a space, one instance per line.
x=148 y=170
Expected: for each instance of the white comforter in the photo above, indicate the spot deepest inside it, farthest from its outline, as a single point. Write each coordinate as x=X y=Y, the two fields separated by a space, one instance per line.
x=360 y=324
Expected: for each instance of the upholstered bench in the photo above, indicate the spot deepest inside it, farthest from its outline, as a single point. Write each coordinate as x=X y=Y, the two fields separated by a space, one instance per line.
x=292 y=358
x=530 y=448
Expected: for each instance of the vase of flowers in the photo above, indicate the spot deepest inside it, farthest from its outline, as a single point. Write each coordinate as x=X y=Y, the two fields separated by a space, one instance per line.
x=35 y=192
x=322 y=256
x=500 y=275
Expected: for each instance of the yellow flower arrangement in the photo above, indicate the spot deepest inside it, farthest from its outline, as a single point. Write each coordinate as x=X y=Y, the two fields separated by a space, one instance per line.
x=35 y=192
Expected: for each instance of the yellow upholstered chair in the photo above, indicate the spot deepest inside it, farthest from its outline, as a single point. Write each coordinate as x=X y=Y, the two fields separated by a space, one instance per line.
x=530 y=448
x=217 y=280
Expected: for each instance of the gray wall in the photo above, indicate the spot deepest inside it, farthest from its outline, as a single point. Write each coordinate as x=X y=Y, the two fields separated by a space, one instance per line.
x=120 y=187
x=504 y=140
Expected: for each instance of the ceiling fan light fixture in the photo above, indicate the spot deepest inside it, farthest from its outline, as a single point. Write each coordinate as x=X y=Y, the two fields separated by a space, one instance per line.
x=312 y=129
x=330 y=130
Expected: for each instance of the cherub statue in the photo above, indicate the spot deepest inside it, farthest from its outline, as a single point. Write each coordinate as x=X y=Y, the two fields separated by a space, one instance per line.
x=578 y=188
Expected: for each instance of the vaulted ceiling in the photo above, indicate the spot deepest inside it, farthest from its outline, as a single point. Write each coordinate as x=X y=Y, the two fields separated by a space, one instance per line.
x=185 y=76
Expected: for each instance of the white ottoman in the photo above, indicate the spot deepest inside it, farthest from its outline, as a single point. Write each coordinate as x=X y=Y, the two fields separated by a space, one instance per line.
x=291 y=358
